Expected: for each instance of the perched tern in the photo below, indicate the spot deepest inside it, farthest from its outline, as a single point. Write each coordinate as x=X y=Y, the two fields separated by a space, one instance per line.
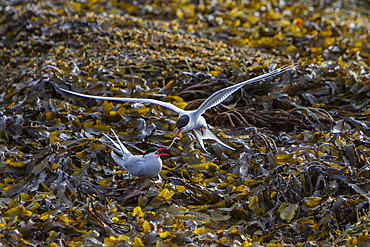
x=143 y=166
x=193 y=120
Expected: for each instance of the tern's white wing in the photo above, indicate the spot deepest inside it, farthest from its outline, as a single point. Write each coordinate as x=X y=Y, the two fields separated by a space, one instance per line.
x=117 y=147
x=221 y=95
x=136 y=100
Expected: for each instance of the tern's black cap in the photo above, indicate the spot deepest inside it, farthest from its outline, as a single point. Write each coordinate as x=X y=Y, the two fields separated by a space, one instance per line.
x=182 y=121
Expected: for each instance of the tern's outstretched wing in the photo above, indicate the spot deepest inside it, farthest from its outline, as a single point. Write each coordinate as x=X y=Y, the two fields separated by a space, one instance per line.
x=208 y=135
x=221 y=95
x=136 y=100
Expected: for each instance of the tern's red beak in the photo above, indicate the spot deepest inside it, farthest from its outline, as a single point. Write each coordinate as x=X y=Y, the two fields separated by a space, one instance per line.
x=158 y=152
x=178 y=132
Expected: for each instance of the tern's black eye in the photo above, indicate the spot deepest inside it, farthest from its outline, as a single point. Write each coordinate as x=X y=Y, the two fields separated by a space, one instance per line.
x=182 y=121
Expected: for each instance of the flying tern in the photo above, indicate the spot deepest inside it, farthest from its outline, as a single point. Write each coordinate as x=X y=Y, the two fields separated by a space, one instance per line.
x=143 y=166
x=193 y=120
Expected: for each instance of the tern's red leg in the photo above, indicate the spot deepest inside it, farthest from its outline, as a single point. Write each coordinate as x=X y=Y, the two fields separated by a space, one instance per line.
x=201 y=130
x=192 y=131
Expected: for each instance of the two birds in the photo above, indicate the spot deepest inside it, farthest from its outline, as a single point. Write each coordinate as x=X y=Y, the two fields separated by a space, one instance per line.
x=188 y=121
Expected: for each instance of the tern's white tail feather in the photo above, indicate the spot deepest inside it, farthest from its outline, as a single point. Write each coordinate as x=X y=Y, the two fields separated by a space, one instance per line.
x=119 y=147
x=122 y=147
x=208 y=135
